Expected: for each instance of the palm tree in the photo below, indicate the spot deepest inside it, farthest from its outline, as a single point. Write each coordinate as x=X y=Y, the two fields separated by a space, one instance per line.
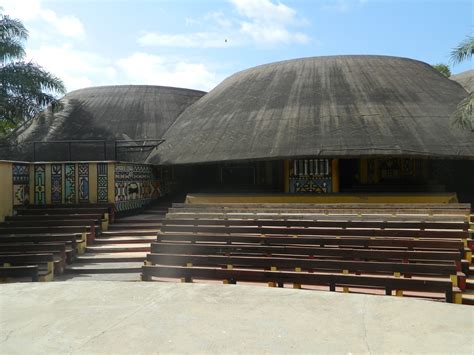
x=25 y=87
x=464 y=114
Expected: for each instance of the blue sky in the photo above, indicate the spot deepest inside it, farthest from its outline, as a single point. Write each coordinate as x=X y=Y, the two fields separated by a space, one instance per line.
x=196 y=44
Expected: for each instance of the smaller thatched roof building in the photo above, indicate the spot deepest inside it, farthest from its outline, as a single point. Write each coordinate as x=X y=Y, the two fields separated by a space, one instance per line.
x=125 y=112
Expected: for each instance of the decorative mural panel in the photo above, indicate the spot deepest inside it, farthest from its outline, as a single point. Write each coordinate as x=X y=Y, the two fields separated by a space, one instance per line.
x=40 y=182
x=56 y=183
x=70 y=183
x=310 y=176
x=135 y=186
x=83 y=184
x=21 y=184
x=102 y=183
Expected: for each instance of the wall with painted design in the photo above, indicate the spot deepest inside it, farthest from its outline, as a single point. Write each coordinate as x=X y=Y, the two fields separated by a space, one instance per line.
x=6 y=190
x=71 y=182
x=127 y=185
x=135 y=186
x=310 y=176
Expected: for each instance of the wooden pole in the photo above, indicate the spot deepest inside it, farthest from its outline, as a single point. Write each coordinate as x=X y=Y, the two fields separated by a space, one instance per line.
x=335 y=175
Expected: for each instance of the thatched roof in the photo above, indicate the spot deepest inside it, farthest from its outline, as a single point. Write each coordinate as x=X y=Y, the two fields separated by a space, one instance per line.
x=336 y=106
x=126 y=112
x=466 y=79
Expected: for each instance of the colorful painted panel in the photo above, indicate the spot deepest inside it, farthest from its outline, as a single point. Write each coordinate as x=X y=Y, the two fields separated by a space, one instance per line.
x=102 y=183
x=56 y=183
x=310 y=176
x=40 y=182
x=310 y=185
x=70 y=183
x=21 y=184
x=83 y=186
x=135 y=186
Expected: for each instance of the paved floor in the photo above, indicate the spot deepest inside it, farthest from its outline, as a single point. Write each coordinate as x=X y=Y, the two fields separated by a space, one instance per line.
x=150 y=317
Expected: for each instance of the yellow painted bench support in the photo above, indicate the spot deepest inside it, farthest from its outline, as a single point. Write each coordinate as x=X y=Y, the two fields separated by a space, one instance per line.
x=50 y=275
x=398 y=293
x=229 y=267
x=104 y=224
x=295 y=285
x=183 y=279
x=345 y=289
x=272 y=283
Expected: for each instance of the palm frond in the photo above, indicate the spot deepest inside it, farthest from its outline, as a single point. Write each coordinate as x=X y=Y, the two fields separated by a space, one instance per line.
x=12 y=28
x=463 y=51
x=463 y=117
x=10 y=49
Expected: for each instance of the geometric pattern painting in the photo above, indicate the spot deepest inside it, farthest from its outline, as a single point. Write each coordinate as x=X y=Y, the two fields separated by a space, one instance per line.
x=134 y=186
x=70 y=183
x=311 y=185
x=102 y=183
x=56 y=183
x=21 y=184
x=40 y=184
x=83 y=183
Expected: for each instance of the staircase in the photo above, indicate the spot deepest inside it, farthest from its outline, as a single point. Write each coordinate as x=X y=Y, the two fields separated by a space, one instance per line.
x=119 y=253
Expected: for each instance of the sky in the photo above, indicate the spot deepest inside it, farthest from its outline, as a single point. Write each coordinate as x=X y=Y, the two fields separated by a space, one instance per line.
x=198 y=43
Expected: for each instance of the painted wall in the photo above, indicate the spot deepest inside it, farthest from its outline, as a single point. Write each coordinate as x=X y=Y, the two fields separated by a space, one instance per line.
x=6 y=190
x=135 y=186
x=311 y=176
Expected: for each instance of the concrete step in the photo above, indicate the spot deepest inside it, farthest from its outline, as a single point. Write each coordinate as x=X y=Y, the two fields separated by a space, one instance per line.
x=122 y=248
x=105 y=268
x=111 y=257
x=125 y=240
x=129 y=233
x=133 y=226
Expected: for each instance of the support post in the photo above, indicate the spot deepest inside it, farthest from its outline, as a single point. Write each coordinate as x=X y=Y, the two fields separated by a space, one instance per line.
x=286 y=174
x=335 y=175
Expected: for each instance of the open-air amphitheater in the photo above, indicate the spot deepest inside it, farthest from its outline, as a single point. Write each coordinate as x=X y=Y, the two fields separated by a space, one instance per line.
x=316 y=205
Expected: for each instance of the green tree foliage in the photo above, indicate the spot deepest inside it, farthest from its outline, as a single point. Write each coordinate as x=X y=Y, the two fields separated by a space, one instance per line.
x=464 y=115
x=25 y=87
x=443 y=69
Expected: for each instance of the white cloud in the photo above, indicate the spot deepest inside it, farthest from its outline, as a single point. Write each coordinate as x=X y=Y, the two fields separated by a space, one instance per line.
x=145 y=68
x=260 y=21
x=186 y=40
x=342 y=5
x=33 y=11
x=76 y=68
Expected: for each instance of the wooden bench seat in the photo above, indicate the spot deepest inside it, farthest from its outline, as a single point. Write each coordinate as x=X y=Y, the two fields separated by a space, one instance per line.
x=58 y=250
x=260 y=222
x=398 y=233
x=366 y=208
x=320 y=279
x=29 y=271
x=75 y=242
x=45 y=263
x=310 y=265
x=357 y=242
x=85 y=231
x=307 y=251
x=98 y=219
x=253 y=215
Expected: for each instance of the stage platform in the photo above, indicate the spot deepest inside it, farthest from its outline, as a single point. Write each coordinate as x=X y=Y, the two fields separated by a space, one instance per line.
x=324 y=198
x=138 y=317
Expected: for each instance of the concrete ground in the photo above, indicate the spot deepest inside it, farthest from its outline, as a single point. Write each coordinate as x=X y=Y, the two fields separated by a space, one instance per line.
x=151 y=317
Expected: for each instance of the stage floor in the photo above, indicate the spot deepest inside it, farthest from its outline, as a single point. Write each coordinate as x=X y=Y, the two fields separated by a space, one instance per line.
x=151 y=317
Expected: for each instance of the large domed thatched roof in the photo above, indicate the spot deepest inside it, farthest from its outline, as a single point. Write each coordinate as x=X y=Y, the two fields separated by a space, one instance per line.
x=322 y=106
x=125 y=112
